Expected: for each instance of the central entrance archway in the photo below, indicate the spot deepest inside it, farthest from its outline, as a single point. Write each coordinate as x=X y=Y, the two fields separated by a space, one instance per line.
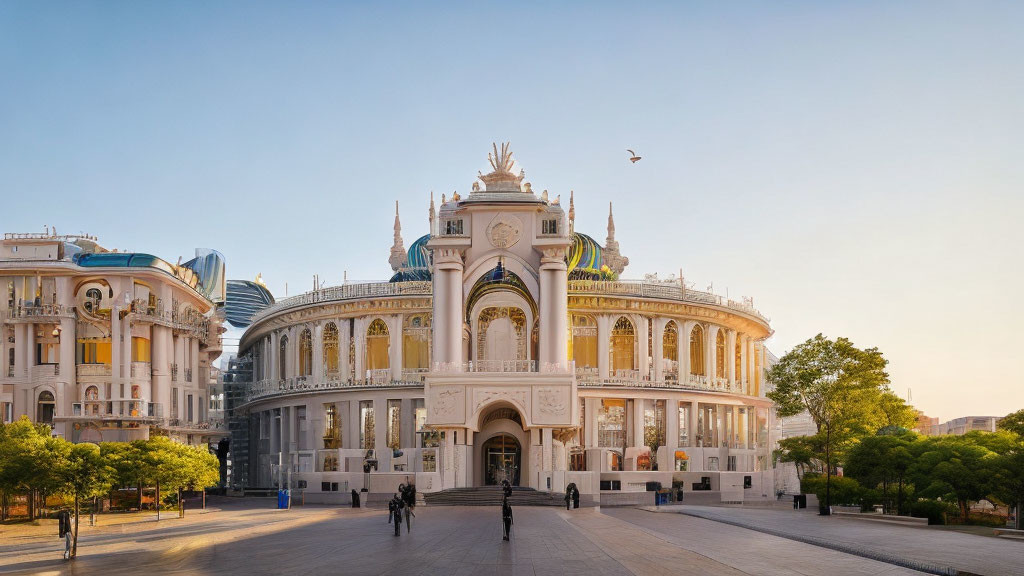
x=502 y=460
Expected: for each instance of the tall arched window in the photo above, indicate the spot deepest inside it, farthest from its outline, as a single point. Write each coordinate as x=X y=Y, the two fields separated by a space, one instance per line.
x=45 y=408
x=92 y=405
x=697 y=351
x=378 y=346
x=584 y=343
x=305 y=353
x=416 y=342
x=720 y=354
x=623 y=345
x=282 y=358
x=330 y=350
x=670 y=351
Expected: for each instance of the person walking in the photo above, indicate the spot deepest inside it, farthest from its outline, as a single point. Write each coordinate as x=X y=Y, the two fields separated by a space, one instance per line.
x=506 y=517
x=398 y=514
x=64 y=531
x=391 y=510
x=568 y=497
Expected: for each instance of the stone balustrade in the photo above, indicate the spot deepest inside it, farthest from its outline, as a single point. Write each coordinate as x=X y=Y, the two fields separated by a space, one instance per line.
x=270 y=388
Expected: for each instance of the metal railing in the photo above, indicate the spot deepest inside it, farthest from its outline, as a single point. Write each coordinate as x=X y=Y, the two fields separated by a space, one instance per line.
x=693 y=382
x=666 y=290
x=501 y=366
x=174 y=371
x=188 y=374
x=347 y=292
x=22 y=311
x=93 y=370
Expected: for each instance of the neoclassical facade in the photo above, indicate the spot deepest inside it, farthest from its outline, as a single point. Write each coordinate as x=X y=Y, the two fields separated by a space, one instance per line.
x=505 y=347
x=105 y=345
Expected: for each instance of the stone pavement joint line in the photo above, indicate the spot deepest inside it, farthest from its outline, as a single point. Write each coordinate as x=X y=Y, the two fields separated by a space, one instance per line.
x=837 y=546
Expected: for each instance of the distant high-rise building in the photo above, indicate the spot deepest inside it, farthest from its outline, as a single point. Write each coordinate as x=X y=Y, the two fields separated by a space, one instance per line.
x=244 y=299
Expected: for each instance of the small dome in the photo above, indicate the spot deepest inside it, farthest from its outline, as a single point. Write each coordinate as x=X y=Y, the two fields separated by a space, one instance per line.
x=419 y=257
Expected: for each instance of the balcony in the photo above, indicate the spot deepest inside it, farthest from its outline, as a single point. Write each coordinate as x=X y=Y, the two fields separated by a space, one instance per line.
x=39 y=313
x=271 y=388
x=346 y=292
x=692 y=382
x=45 y=371
x=137 y=409
x=142 y=370
x=174 y=372
x=93 y=371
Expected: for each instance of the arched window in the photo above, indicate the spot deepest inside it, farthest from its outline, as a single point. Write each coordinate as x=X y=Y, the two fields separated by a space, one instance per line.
x=697 y=351
x=282 y=358
x=416 y=342
x=330 y=350
x=92 y=405
x=45 y=408
x=92 y=393
x=623 y=346
x=720 y=354
x=670 y=351
x=305 y=353
x=378 y=346
x=584 y=343
x=502 y=334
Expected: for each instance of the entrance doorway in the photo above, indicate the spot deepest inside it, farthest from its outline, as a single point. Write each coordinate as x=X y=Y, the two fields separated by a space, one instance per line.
x=502 y=460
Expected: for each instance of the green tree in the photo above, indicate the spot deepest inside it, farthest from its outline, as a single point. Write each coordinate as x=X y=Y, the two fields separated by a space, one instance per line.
x=172 y=466
x=81 y=472
x=838 y=384
x=802 y=451
x=881 y=460
x=1010 y=465
x=957 y=467
x=26 y=462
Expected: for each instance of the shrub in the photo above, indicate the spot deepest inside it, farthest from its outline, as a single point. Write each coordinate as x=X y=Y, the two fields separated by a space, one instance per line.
x=845 y=490
x=936 y=511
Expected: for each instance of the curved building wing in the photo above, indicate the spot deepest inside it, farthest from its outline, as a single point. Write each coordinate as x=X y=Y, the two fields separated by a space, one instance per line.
x=244 y=299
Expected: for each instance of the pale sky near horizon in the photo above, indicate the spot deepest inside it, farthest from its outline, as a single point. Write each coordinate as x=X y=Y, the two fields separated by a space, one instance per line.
x=856 y=167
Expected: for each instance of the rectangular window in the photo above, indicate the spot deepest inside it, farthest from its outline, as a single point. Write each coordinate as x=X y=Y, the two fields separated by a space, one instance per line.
x=682 y=461
x=549 y=226
x=654 y=424
x=174 y=402
x=707 y=425
x=611 y=423
x=453 y=227
x=430 y=460
x=394 y=424
x=332 y=426
x=189 y=407
x=366 y=431
x=684 y=423
x=712 y=464
x=583 y=422
x=140 y=349
x=93 y=351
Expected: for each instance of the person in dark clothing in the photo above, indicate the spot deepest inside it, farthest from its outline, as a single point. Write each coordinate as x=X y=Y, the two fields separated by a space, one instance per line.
x=355 y=498
x=396 y=508
x=64 y=531
x=391 y=510
x=568 y=498
x=506 y=488
x=575 y=496
x=506 y=517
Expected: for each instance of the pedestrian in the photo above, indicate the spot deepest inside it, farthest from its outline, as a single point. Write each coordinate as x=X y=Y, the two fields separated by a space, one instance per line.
x=575 y=496
x=391 y=510
x=64 y=531
x=398 y=515
x=409 y=515
x=506 y=517
x=355 y=498
x=568 y=497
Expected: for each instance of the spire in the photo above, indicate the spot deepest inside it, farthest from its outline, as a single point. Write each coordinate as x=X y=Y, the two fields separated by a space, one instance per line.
x=432 y=212
x=611 y=224
x=572 y=213
x=398 y=257
x=610 y=255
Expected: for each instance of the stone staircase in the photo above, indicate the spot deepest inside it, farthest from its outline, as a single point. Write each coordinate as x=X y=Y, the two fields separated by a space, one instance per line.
x=491 y=496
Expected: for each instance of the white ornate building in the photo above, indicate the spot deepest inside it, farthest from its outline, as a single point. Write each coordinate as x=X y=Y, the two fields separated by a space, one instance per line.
x=107 y=346
x=505 y=347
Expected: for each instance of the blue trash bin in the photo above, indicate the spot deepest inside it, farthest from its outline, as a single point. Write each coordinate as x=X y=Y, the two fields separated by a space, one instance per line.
x=282 y=499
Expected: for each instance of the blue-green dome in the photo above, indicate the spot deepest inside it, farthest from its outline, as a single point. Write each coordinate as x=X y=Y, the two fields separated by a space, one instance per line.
x=419 y=257
x=411 y=275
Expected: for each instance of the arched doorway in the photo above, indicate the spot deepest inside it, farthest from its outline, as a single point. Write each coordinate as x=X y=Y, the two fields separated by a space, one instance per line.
x=502 y=460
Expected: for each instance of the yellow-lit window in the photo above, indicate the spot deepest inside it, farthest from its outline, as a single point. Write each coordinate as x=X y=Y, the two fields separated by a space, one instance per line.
x=140 y=349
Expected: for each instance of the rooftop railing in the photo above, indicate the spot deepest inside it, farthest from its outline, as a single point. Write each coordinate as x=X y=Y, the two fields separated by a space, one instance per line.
x=664 y=290
x=346 y=292
x=692 y=382
x=39 y=310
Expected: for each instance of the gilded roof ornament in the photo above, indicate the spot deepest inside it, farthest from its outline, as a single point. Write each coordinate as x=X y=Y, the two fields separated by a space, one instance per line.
x=502 y=178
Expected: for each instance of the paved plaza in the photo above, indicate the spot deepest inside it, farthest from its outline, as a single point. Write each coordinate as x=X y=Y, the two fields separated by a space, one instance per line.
x=247 y=537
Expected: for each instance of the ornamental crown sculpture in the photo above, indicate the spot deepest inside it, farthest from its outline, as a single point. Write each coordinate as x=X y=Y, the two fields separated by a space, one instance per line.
x=502 y=178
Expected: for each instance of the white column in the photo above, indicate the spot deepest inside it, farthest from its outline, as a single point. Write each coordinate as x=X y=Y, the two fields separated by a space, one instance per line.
x=453 y=321
x=684 y=351
x=395 y=350
x=115 y=348
x=643 y=358
x=554 y=297
x=163 y=351
x=345 y=337
x=730 y=357
x=658 y=340
x=318 y=352
x=360 y=346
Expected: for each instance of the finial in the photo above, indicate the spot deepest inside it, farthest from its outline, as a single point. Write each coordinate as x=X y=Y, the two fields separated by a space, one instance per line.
x=398 y=256
x=572 y=207
x=544 y=196
x=443 y=201
x=431 y=212
x=611 y=222
x=476 y=186
x=558 y=200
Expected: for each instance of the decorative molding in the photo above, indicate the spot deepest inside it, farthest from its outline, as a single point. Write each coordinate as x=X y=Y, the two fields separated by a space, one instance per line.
x=552 y=401
x=483 y=397
x=504 y=231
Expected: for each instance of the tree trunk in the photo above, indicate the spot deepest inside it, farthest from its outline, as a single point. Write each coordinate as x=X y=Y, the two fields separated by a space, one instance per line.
x=899 y=497
x=1020 y=509
x=181 y=509
x=158 y=501
x=140 y=497
x=74 y=537
x=31 y=505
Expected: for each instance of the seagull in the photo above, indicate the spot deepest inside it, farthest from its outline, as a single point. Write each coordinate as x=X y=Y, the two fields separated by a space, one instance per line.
x=632 y=156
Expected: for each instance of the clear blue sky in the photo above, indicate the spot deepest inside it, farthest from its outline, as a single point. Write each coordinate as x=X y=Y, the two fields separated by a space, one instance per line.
x=856 y=167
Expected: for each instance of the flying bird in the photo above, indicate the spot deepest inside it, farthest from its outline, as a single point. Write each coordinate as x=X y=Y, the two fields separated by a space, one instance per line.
x=632 y=156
